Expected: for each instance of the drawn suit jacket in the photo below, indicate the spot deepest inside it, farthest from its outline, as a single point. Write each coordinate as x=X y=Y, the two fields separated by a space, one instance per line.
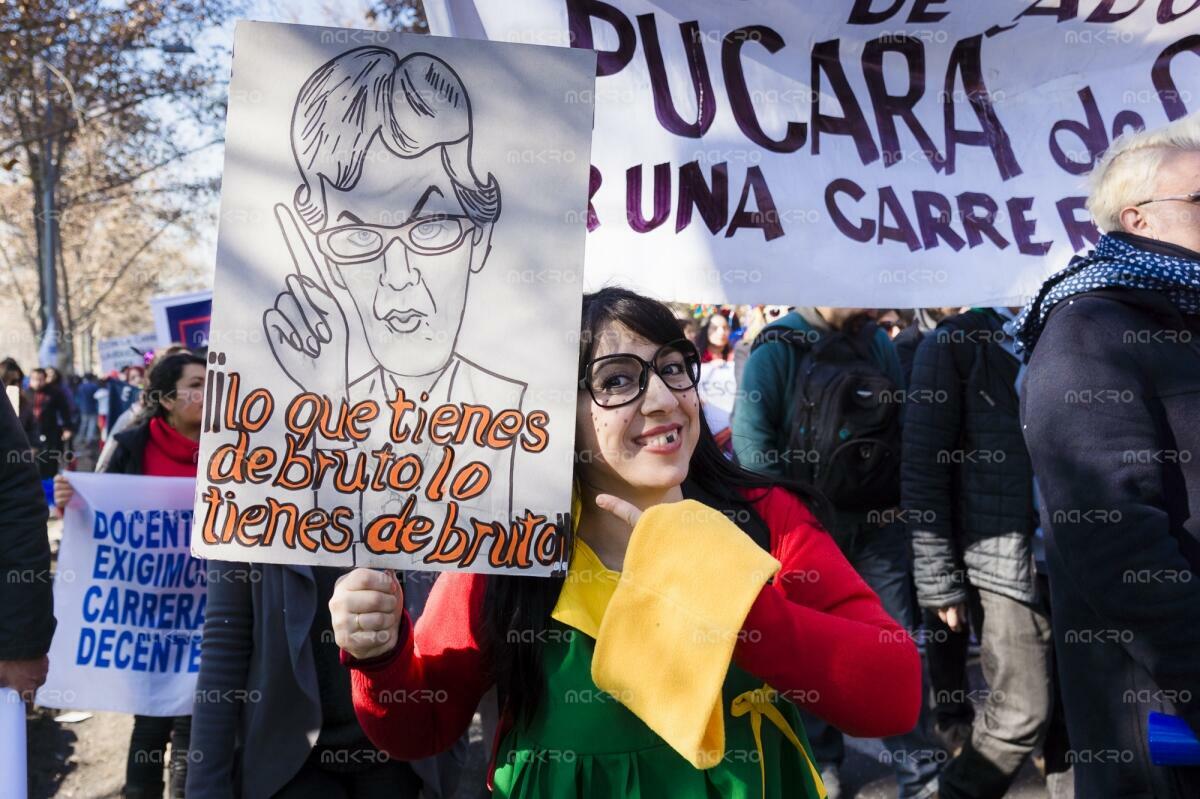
x=462 y=382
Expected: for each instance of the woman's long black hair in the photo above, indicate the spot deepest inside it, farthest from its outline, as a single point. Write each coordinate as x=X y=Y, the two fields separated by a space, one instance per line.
x=517 y=609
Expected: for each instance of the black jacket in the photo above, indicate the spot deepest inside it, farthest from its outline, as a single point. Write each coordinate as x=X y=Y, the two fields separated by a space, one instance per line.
x=26 y=601
x=1111 y=409
x=54 y=416
x=907 y=341
x=130 y=449
x=966 y=480
x=25 y=413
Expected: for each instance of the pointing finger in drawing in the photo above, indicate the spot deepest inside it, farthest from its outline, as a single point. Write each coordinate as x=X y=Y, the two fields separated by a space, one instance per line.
x=310 y=313
x=302 y=257
x=287 y=305
x=321 y=303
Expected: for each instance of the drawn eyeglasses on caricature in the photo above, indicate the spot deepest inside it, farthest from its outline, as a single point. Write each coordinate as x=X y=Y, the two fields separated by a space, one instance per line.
x=410 y=119
x=359 y=243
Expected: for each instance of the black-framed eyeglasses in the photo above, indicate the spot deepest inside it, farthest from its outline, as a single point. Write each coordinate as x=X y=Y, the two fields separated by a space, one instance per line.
x=433 y=235
x=1194 y=197
x=619 y=379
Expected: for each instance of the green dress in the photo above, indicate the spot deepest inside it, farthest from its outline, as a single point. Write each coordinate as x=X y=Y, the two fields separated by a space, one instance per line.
x=584 y=743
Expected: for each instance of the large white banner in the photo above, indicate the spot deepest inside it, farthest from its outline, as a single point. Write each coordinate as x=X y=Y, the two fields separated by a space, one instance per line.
x=851 y=152
x=128 y=596
x=394 y=351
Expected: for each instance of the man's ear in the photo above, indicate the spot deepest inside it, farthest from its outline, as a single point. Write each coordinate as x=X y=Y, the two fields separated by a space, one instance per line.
x=481 y=236
x=1136 y=221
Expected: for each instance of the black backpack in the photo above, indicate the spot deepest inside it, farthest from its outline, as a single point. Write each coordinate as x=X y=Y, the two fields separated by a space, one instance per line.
x=844 y=433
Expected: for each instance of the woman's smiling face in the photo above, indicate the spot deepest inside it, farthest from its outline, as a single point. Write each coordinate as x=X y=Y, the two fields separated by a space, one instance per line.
x=645 y=444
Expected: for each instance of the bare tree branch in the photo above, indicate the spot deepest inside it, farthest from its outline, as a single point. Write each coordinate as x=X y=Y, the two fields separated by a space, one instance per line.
x=87 y=196
x=89 y=313
x=119 y=161
x=27 y=308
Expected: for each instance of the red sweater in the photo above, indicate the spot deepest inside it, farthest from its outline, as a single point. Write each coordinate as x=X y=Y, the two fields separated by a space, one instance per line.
x=822 y=637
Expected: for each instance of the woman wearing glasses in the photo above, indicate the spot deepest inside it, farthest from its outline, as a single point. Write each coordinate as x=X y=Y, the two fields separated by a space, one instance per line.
x=702 y=605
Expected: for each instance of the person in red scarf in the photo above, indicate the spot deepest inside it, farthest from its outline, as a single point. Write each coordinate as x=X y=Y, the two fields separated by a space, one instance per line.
x=164 y=442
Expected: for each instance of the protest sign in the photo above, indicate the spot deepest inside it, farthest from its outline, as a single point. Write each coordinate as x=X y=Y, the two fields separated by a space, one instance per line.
x=393 y=356
x=117 y=353
x=13 y=753
x=865 y=153
x=121 y=396
x=182 y=318
x=128 y=597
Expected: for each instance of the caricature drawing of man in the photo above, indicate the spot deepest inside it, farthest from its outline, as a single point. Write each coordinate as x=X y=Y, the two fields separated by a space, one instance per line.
x=400 y=222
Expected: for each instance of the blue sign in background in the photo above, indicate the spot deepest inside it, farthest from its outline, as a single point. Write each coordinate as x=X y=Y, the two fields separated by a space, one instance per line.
x=189 y=323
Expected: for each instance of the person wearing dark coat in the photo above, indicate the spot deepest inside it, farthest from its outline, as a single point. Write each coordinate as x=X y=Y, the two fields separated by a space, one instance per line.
x=1110 y=405
x=13 y=377
x=89 y=409
x=26 y=605
x=967 y=492
x=907 y=340
x=53 y=422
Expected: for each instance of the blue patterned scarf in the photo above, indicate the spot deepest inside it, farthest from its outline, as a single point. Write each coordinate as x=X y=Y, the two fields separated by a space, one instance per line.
x=1115 y=262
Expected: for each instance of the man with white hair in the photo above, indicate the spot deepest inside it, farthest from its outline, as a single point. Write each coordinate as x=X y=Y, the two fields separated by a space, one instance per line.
x=1111 y=415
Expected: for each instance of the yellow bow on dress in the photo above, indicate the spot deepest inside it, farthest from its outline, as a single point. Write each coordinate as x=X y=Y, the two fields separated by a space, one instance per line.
x=759 y=702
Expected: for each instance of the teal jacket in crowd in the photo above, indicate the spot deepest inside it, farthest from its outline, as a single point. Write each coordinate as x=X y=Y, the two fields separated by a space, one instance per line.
x=760 y=422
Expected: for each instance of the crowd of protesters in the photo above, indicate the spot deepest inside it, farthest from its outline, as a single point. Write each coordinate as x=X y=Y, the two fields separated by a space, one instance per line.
x=1018 y=482
x=62 y=416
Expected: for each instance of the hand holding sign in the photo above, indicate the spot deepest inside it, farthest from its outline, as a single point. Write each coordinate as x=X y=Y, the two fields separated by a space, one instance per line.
x=24 y=676
x=306 y=328
x=366 y=610
x=62 y=491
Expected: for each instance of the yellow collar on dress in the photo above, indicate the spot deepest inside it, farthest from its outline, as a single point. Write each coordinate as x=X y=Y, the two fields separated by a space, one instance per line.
x=581 y=604
x=585 y=594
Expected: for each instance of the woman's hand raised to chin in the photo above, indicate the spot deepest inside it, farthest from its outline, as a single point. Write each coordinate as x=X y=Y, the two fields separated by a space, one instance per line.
x=366 y=608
